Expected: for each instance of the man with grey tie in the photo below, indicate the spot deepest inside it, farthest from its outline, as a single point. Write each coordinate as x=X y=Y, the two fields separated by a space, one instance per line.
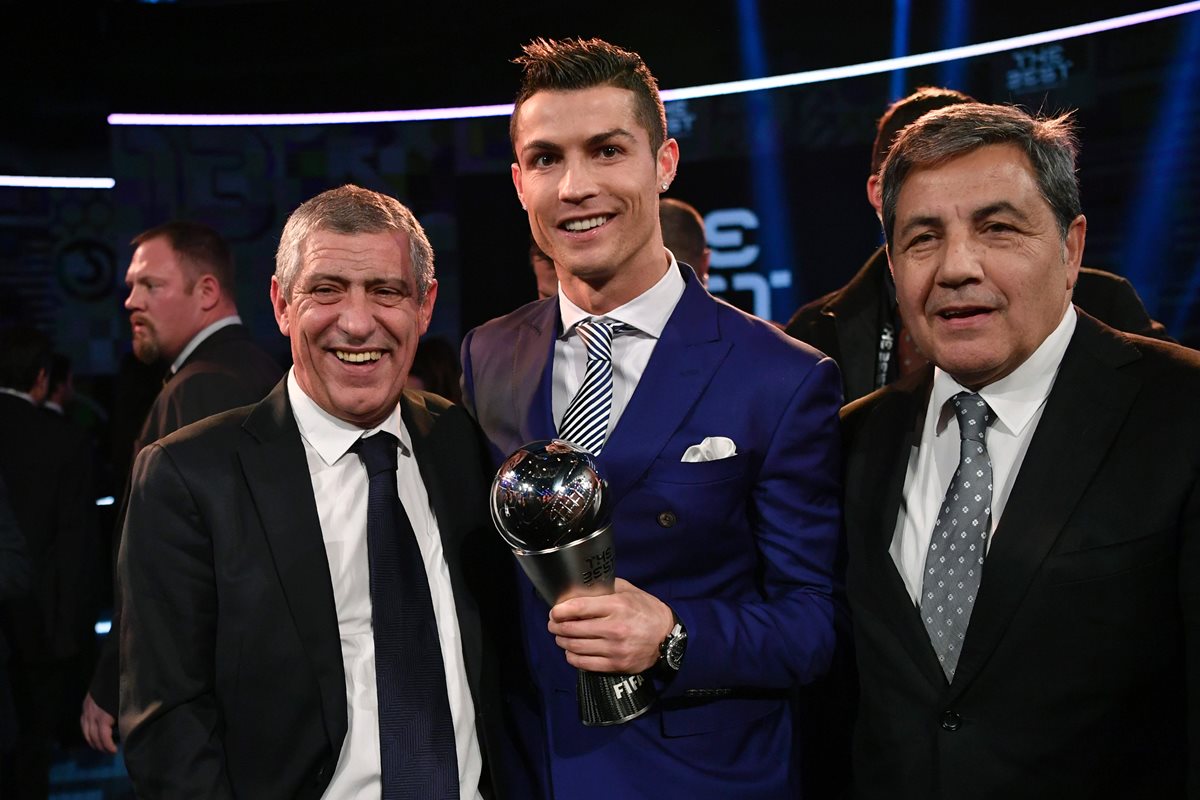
x=1023 y=517
x=303 y=578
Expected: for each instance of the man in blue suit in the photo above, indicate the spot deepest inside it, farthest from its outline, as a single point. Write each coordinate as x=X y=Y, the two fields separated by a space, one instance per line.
x=721 y=449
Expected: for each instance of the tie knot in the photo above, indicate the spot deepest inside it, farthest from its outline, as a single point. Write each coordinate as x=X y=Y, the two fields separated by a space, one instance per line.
x=974 y=415
x=378 y=452
x=597 y=335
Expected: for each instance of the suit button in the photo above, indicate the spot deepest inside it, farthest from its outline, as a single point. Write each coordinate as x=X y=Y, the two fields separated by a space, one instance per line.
x=667 y=519
x=951 y=721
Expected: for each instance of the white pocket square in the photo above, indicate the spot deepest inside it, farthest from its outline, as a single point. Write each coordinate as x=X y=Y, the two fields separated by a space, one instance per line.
x=712 y=448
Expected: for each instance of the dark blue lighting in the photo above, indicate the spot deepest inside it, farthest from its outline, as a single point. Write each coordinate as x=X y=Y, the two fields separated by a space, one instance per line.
x=955 y=23
x=1165 y=181
x=900 y=20
x=768 y=190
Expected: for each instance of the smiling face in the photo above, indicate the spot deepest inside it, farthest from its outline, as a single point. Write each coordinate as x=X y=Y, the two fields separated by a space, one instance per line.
x=354 y=320
x=164 y=310
x=590 y=182
x=982 y=273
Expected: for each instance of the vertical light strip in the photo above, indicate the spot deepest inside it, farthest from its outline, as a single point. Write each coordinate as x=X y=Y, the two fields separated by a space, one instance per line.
x=901 y=13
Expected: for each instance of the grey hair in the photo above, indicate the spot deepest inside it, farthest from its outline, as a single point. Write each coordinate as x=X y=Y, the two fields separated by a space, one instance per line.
x=351 y=209
x=1049 y=142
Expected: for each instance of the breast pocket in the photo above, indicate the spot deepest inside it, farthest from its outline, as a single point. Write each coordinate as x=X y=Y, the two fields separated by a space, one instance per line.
x=698 y=472
x=1108 y=559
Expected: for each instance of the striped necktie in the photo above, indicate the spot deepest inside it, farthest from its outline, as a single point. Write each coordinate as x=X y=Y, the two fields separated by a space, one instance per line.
x=585 y=423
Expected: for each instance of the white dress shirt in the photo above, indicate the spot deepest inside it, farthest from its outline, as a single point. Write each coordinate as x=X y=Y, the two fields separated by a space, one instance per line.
x=200 y=336
x=1017 y=400
x=647 y=313
x=340 y=487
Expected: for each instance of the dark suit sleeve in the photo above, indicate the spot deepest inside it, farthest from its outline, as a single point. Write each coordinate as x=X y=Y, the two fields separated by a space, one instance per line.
x=15 y=571
x=786 y=635
x=468 y=376
x=1189 y=592
x=169 y=720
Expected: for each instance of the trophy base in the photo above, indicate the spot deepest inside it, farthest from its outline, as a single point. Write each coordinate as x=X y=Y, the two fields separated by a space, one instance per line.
x=610 y=699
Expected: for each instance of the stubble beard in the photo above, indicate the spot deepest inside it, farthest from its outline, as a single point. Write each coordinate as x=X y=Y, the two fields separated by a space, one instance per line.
x=146 y=347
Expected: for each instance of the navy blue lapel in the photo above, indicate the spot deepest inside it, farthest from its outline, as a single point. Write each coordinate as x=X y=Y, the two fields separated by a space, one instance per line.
x=533 y=374
x=276 y=472
x=684 y=361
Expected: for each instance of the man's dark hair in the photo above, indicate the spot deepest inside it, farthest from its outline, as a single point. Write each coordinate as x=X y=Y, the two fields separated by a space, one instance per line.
x=202 y=251
x=682 y=230
x=571 y=64
x=1048 y=142
x=60 y=370
x=24 y=352
x=908 y=110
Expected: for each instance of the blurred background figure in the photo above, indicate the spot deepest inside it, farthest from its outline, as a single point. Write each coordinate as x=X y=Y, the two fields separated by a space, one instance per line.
x=15 y=577
x=46 y=466
x=683 y=234
x=183 y=313
x=543 y=271
x=60 y=389
x=435 y=368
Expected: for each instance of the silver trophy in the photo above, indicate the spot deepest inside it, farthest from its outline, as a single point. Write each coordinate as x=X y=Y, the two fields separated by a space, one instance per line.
x=551 y=506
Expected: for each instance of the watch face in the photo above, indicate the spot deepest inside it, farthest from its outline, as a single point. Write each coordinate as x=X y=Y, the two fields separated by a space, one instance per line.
x=676 y=646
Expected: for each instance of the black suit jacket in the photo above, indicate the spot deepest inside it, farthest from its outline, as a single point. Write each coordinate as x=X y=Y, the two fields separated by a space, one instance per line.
x=46 y=465
x=846 y=324
x=225 y=371
x=232 y=679
x=1080 y=672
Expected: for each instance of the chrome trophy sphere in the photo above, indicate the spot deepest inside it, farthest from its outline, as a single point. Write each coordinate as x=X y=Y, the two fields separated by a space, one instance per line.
x=548 y=494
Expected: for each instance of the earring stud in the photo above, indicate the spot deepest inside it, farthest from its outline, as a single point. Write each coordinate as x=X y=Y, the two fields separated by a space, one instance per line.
x=664 y=187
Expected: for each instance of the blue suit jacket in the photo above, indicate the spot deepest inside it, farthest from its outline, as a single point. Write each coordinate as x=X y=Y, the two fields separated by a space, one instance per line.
x=741 y=548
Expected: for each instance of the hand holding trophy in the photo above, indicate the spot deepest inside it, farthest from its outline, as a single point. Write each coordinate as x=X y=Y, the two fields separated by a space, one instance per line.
x=551 y=506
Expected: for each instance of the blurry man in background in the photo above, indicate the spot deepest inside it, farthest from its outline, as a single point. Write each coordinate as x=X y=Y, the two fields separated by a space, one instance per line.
x=683 y=235
x=46 y=466
x=183 y=313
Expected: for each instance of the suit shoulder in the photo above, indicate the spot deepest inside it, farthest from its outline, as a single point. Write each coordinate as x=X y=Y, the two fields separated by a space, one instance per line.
x=809 y=314
x=1173 y=361
x=209 y=432
x=502 y=325
x=766 y=338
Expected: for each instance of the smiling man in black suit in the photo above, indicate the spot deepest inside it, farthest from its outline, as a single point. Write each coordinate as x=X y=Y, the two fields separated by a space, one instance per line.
x=302 y=618
x=1024 y=517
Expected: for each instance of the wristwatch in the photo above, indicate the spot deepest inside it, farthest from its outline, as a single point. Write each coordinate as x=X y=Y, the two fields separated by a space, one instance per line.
x=670 y=652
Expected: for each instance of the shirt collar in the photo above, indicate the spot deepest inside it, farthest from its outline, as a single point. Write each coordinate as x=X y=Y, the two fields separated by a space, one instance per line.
x=648 y=312
x=332 y=437
x=26 y=396
x=1016 y=397
x=200 y=337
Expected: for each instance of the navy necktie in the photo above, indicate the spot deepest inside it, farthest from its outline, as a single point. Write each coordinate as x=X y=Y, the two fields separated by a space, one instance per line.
x=418 y=758
x=585 y=422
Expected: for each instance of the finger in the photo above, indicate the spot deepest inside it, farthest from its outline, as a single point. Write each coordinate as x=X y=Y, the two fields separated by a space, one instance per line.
x=592 y=663
x=585 y=647
x=581 y=608
x=108 y=744
x=578 y=629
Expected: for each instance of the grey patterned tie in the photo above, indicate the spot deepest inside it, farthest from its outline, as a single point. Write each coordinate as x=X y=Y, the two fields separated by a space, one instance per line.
x=585 y=422
x=954 y=563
